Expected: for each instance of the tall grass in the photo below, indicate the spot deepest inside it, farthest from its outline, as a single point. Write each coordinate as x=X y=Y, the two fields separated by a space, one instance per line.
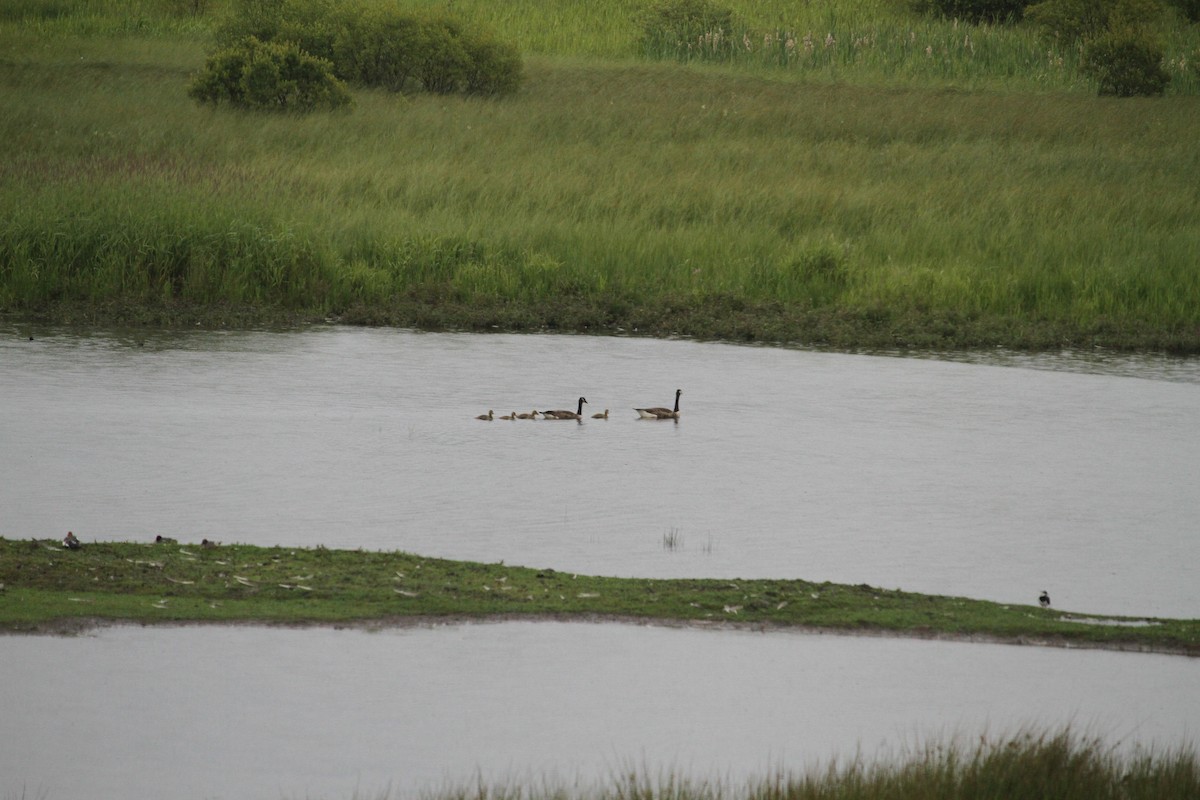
x=877 y=42
x=880 y=42
x=701 y=198
x=1026 y=766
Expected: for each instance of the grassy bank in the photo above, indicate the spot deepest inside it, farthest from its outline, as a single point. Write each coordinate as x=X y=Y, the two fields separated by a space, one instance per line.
x=867 y=201
x=47 y=587
x=1027 y=766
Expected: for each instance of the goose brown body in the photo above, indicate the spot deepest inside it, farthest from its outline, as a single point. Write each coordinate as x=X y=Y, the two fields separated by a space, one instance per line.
x=659 y=412
x=561 y=414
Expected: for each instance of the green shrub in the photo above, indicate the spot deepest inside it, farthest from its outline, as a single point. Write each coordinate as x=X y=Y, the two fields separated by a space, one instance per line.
x=493 y=68
x=688 y=29
x=443 y=63
x=381 y=46
x=1190 y=9
x=312 y=24
x=1075 y=20
x=276 y=76
x=973 y=10
x=1125 y=64
x=248 y=18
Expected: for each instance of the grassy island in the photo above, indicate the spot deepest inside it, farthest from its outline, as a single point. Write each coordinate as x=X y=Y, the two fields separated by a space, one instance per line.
x=47 y=587
x=880 y=178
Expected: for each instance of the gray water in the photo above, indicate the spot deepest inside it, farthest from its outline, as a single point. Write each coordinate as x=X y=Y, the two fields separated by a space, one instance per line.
x=991 y=476
x=196 y=713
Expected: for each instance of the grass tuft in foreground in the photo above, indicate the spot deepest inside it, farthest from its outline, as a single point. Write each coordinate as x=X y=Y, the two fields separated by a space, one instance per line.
x=47 y=588
x=1025 y=766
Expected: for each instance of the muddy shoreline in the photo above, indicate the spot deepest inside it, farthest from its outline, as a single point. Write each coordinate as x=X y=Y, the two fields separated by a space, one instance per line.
x=81 y=626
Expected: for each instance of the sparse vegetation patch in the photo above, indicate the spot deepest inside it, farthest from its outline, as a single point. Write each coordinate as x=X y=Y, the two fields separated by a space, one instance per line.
x=47 y=587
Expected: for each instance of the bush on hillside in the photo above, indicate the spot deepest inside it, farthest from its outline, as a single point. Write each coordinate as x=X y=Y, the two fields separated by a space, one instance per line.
x=493 y=68
x=1125 y=64
x=973 y=10
x=1076 y=20
x=1190 y=9
x=688 y=29
x=382 y=46
x=443 y=62
x=273 y=76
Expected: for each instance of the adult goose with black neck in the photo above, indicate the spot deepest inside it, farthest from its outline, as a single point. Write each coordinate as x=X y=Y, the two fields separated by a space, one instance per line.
x=658 y=412
x=560 y=414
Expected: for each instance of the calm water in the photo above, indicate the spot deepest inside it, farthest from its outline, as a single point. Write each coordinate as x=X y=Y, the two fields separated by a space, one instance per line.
x=992 y=480
x=990 y=477
x=266 y=713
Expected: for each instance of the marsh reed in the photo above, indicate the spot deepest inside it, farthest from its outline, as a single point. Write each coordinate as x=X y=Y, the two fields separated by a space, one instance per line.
x=612 y=193
x=1024 y=766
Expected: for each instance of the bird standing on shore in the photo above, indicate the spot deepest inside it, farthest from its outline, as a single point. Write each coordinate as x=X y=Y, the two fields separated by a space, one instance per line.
x=1044 y=599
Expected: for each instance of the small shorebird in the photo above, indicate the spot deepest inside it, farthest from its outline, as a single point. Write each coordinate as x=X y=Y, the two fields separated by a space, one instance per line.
x=1044 y=600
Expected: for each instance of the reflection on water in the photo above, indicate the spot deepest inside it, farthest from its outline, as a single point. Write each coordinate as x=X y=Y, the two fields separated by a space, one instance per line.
x=993 y=480
x=1149 y=366
x=254 y=712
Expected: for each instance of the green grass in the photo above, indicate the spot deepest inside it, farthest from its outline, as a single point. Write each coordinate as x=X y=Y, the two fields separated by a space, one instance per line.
x=47 y=587
x=868 y=201
x=1024 y=766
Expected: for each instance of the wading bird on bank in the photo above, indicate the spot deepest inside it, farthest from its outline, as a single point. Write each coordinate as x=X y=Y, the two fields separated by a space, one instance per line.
x=560 y=414
x=1044 y=600
x=658 y=412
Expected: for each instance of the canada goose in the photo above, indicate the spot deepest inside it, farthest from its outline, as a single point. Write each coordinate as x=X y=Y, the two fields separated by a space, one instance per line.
x=601 y=416
x=487 y=417
x=1044 y=600
x=659 y=412
x=511 y=415
x=530 y=415
x=566 y=414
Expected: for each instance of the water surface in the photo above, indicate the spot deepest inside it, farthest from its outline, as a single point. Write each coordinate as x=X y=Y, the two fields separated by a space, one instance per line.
x=242 y=712
x=994 y=480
